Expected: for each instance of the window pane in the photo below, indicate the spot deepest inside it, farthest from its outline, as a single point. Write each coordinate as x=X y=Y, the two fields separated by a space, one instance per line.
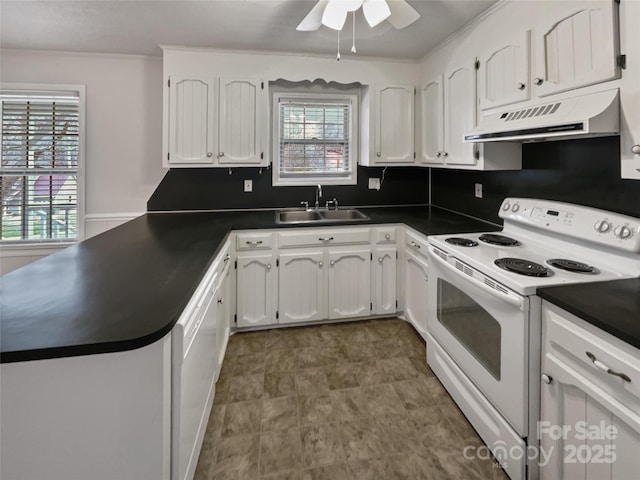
x=314 y=139
x=40 y=145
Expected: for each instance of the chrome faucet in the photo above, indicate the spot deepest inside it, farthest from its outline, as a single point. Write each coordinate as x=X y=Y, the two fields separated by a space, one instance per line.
x=318 y=196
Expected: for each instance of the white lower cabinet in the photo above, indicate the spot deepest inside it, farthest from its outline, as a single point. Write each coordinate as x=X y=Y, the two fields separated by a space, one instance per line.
x=302 y=295
x=349 y=283
x=590 y=414
x=257 y=289
x=385 y=298
x=415 y=291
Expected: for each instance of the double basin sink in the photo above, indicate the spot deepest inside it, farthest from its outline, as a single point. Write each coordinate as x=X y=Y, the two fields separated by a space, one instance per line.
x=320 y=216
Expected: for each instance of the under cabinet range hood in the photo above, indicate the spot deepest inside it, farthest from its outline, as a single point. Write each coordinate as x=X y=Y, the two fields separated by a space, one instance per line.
x=593 y=114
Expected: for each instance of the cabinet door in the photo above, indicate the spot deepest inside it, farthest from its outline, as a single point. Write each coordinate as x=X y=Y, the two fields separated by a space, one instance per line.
x=415 y=291
x=503 y=73
x=240 y=121
x=192 y=115
x=223 y=314
x=394 y=124
x=565 y=404
x=578 y=48
x=302 y=291
x=459 y=114
x=349 y=283
x=384 y=265
x=256 y=290
x=432 y=124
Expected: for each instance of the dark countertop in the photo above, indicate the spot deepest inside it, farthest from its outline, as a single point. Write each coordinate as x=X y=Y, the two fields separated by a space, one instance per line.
x=613 y=306
x=126 y=288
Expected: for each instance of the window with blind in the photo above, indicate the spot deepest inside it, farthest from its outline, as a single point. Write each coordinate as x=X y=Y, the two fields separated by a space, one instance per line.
x=316 y=140
x=39 y=166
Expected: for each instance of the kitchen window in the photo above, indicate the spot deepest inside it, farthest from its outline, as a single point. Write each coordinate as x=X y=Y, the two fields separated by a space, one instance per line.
x=315 y=139
x=40 y=181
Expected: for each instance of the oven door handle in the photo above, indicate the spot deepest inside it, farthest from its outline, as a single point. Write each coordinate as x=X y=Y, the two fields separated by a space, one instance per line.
x=514 y=299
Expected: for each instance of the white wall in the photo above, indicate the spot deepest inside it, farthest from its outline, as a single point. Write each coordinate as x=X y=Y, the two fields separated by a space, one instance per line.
x=123 y=162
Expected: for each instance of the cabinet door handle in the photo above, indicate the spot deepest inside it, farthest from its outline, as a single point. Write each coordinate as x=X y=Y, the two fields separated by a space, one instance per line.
x=254 y=242
x=378 y=154
x=635 y=149
x=439 y=154
x=268 y=266
x=320 y=263
x=445 y=154
x=220 y=300
x=546 y=378
x=387 y=236
x=538 y=81
x=209 y=154
x=414 y=244
x=521 y=86
x=227 y=258
x=380 y=259
x=220 y=154
x=325 y=239
x=332 y=263
x=604 y=368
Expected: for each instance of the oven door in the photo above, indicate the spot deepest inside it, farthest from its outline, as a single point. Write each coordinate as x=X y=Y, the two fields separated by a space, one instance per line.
x=483 y=327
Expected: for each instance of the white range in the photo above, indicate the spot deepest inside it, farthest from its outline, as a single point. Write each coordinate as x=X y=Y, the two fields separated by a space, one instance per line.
x=484 y=320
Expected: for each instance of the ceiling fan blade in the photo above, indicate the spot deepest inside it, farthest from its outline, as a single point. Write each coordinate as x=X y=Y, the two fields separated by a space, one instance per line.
x=313 y=20
x=375 y=11
x=402 y=14
x=335 y=14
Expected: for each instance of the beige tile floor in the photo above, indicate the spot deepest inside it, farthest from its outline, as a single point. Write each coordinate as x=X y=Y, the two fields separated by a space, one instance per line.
x=343 y=401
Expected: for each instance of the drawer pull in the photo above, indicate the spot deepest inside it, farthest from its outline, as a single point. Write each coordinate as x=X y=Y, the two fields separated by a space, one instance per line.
x=414 y=244
x=227 y=258
x=220 y=301
x=254 y=242
x=387 y=236
x=325 y=239
x=604 y=368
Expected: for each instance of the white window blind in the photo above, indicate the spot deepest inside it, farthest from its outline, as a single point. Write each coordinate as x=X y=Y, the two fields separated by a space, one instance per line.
x=39 y=166
x=315 y=138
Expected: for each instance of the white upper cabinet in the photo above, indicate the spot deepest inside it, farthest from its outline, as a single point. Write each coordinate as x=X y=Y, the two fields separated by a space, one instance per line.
x=192 y=120
x=393 y=126
x=459 y=114
x=240 y=121
x=503 y=73
x=578 y=48
x=432 y=121
x=215 y=122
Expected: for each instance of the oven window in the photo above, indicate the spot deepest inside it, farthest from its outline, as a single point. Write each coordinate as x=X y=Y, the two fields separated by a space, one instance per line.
x=471 y=324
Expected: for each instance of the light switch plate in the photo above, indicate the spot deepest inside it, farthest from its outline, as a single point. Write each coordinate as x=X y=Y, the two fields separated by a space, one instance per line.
x=374 y=183
x=478 y=190
x=248 y=185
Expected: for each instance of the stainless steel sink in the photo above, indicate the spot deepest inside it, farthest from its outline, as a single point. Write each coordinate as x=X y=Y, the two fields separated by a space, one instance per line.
x=345 y=214
x=297 y=216
x=320 y=216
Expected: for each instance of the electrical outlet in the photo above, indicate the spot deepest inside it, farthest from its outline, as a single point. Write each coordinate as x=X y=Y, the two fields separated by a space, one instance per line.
x=478 y=190
x=374 y=184
x=248 y=185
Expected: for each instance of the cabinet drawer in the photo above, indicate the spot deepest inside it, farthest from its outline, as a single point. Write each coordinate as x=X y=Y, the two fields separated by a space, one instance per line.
x=417 y=242
x=590 y=349
x=254 y=241
x=386 y=235
x=324 y=237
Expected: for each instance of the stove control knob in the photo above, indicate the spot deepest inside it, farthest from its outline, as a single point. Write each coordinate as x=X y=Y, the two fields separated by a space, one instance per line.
x=506 y=206
x=602 y=226
x=515 y=207
x=623 y=232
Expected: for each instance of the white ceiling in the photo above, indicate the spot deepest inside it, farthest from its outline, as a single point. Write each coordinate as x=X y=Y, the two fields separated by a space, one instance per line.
x=138 y=27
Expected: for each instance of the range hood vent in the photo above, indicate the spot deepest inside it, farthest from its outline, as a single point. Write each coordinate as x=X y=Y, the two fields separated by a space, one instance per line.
x=593 y=114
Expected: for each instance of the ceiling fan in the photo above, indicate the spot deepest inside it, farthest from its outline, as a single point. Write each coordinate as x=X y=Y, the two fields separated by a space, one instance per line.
x=333 y=13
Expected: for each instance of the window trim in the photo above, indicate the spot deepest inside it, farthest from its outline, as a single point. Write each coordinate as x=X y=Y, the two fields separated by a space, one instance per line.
x=352 y=178
x=81 y=91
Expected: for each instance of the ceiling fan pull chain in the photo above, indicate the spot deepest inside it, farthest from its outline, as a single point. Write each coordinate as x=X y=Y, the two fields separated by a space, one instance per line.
x=353 y=47
x=338 y=56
